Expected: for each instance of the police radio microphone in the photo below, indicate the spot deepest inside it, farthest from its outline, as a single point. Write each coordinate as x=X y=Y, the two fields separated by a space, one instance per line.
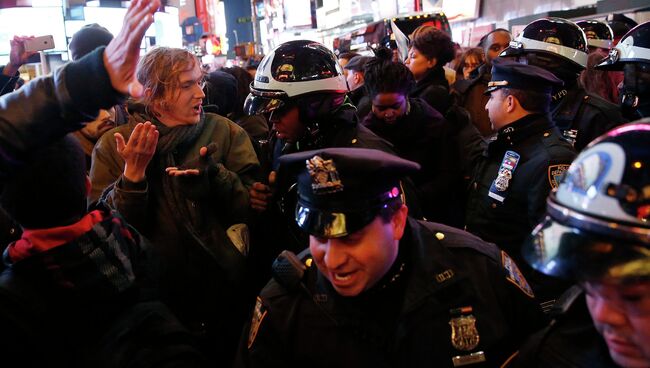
x=289 y=271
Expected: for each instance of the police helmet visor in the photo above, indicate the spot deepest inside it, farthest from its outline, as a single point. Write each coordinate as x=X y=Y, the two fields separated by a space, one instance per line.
x=571 y=253
x=326 y=224
x=263 y=102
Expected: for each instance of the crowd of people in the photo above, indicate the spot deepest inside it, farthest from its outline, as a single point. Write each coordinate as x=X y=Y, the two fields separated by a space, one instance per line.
x=403 y=219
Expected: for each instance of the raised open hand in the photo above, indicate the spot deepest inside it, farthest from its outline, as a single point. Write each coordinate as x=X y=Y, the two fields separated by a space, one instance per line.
x=123 y=52
x=139 y=150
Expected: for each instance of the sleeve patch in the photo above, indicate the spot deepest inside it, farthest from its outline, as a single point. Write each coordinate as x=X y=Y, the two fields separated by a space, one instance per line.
x=555 y=174
x=515 y=276
x=259 y=312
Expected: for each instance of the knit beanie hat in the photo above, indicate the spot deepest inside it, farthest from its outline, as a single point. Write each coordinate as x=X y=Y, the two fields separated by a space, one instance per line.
x=87 y=39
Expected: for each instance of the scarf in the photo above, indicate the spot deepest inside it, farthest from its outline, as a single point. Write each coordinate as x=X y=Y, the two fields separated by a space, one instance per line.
x=98 y=256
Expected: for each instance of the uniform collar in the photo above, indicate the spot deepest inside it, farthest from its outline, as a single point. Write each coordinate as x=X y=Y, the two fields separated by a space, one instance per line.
x=522 y=129
x=436 y=274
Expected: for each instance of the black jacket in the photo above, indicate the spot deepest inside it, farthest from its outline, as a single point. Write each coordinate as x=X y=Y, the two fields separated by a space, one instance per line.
x=434 y=89
x=470 y=95
x=544 y=156
x=275 y=229
x=571 y=341
x=89 y=303
x=424 y=136
x=584 y=115
x=405 y=320
x=361 y=101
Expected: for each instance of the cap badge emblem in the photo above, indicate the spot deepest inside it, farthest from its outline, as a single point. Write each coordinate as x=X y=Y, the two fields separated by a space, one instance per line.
x=324 y=177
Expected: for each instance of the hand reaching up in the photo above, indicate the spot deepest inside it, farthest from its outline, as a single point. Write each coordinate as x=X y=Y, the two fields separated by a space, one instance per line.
x=123 y=52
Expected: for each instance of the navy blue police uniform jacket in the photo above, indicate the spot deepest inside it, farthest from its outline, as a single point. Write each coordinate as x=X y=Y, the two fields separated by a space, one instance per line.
x=505 y=214
x=413 y=317
x=583 y=117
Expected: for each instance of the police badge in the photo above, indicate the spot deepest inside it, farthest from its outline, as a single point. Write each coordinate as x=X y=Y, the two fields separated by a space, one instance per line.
x=464 y=335
x=502 y=182
x=325 y=178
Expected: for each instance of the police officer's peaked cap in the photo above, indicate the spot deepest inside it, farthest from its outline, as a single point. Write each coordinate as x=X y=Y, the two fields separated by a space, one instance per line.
x=510 y=74
x=357 y=63
x=341 y=190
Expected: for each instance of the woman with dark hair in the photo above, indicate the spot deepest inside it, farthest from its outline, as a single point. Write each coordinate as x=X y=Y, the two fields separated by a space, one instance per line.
x=255 y=125
x=470 y=60
x=418 y=133
x=430 y=50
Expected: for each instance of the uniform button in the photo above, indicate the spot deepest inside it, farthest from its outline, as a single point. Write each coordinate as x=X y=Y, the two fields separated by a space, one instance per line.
x=475 y=185
x=586 y=98
x=12 y=231
x=440 y=236
x=354 y=141
x=547 y=134
x=494 y=205
x=308 y=262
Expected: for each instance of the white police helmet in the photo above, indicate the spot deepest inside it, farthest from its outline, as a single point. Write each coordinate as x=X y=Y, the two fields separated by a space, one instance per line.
x=555 y=37
x=294 y=69
x=597 y=224
x=634 y=47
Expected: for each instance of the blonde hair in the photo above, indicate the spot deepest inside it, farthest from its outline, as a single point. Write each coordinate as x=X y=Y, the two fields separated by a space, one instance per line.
x=159 y=72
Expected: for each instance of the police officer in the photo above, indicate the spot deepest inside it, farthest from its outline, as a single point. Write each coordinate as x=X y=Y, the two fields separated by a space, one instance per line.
x=596 y=233
x=560 y=47
x=632 y=56
x=301 y=89
x=514 y=172
x=376 y=287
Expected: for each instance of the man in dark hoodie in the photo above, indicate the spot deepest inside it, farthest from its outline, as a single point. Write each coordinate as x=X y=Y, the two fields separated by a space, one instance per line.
x=418 y=133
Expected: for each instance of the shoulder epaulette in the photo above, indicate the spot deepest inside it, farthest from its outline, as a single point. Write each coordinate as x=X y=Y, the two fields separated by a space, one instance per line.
x=455 y=238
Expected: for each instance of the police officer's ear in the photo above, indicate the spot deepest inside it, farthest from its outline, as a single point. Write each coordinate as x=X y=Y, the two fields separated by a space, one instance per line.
x=511 y=103
x=399 y=221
